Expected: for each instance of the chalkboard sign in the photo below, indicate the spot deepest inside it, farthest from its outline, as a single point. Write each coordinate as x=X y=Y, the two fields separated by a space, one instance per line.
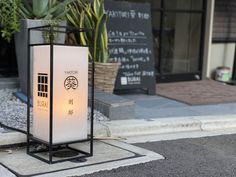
x=131 y=44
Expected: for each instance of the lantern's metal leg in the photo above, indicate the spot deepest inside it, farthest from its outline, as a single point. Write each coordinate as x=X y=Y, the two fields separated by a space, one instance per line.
x=28 y=91
x=51 y=97
x=92 y=104
x=92 y=110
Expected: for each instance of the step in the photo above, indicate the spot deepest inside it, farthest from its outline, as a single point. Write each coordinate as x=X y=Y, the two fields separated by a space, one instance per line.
x=9 y=83
x=131 y=128
x=113 y=106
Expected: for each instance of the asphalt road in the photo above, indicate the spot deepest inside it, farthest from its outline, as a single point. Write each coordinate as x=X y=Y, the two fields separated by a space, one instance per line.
x=202 y=157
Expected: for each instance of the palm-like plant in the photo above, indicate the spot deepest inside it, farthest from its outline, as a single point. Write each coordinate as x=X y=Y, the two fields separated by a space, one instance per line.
x=91 y=16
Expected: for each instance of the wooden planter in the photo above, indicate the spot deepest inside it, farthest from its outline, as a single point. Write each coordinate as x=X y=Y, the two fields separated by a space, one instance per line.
x=104 y=76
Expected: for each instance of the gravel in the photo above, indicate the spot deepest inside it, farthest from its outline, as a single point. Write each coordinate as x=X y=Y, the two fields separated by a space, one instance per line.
x=14 y=112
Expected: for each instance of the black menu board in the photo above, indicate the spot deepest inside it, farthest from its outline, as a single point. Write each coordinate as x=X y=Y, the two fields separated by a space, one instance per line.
x=131 y=44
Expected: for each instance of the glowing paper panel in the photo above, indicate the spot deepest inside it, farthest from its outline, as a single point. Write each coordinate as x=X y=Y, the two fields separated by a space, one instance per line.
x=70 y=93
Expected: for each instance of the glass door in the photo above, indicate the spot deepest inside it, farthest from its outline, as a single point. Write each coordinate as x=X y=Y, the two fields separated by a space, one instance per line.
x=180 y=40
x=181 y=43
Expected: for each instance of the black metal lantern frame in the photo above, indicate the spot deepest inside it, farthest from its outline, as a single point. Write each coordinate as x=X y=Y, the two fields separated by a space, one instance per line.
x=50 y=147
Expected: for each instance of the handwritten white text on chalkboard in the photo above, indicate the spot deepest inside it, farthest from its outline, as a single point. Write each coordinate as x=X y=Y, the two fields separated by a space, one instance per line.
x=130 y=51
x=131 y=14
x=129 y=34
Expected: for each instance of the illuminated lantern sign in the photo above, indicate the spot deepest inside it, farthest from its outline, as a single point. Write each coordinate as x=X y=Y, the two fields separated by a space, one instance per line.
x=69 y=93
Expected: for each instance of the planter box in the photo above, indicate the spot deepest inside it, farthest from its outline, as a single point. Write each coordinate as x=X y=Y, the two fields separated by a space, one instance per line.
x=21 y=39
x=104 y=76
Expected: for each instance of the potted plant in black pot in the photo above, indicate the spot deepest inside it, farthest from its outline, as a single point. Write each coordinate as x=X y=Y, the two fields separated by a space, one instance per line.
x=84 y=14
x=35 y=13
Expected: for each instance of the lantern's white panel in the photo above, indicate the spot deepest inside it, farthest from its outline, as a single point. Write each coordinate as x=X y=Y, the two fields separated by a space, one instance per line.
x=70 y=96
x=41 y=63
x=70 y=93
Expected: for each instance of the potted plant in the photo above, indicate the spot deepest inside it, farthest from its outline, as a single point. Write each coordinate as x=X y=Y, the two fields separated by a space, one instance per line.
x=92 y=16
x=35 y=13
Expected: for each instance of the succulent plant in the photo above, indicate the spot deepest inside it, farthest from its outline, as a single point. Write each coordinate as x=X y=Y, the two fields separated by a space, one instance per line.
x=43 y=9
x=11 y=11
x=91 y=16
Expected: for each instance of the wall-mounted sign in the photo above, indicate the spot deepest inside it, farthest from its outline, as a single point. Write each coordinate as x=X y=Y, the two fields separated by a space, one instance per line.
x=131 y=44
x=70 y=93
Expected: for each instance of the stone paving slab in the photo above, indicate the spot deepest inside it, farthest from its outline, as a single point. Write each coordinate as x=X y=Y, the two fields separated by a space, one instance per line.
x=12 y=138
x=5 y=173
x=157 y=107
x=107 y=155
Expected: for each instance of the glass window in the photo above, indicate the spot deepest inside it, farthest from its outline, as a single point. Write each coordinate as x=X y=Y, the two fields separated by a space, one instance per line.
x=156 y=31
x=224 y=26
x=183 y=4
x=154 y=3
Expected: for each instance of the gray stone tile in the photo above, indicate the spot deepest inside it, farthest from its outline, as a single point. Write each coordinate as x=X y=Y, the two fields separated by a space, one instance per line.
x=155 y=107
x=218 y=109
x=144 y=113
x=154 y=101
x=136 y=97
x=5 y=173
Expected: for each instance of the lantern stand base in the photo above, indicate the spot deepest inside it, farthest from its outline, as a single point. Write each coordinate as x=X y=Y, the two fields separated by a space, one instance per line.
x=79 y=160
x=65 y=153
x=60 y=151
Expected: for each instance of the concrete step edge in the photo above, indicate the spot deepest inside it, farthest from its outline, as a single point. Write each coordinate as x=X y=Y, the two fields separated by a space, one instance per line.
x=127 y=128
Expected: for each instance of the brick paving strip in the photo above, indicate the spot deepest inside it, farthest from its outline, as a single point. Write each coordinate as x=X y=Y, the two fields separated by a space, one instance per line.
x=198 y=92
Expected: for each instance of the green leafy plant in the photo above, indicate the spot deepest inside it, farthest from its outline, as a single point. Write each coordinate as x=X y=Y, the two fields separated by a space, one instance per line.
x=9 y=18
x=91 y=16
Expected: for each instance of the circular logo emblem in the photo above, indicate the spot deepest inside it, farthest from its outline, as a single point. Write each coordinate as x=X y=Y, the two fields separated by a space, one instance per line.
x=71 y=83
